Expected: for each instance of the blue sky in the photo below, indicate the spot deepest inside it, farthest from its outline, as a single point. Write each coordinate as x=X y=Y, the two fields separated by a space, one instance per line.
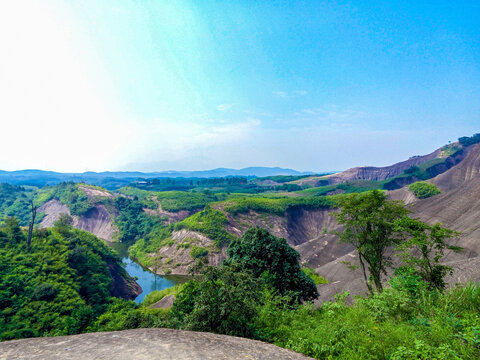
x=159 y=85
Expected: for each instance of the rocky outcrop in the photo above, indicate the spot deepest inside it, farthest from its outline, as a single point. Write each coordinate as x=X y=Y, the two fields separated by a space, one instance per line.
x=52 y=210
x=164 y=303
x=97 y=221
x=146 y=344
x=171 y=217
x=174 y=258
x=306 y=230
x=123 y=285
x=467 y=169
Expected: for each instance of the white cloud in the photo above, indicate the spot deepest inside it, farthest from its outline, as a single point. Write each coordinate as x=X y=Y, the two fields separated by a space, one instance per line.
x=286 y=95
x=333 y=115
x=224 y=107
x=300 y=92
x=280 y=94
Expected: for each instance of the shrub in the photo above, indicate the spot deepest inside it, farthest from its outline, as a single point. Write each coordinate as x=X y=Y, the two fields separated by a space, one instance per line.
x=423 y=190
x=197 y=252
x=317 y=279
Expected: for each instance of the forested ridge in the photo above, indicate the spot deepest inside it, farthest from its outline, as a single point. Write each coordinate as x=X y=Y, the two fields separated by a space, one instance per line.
x=58 y=286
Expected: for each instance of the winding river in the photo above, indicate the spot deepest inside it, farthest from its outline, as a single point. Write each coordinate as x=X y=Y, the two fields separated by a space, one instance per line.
x=147 y=280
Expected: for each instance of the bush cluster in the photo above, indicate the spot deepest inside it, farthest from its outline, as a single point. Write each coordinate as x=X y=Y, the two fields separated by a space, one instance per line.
x=423 y=190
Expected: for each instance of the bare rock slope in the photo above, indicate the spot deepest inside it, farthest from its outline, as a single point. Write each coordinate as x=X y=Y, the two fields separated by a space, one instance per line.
x=97 y=220
x=146 y=344
x=380 y=173
x=457 y=207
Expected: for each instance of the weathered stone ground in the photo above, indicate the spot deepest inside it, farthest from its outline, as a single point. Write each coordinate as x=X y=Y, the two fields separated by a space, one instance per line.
x=143 y=344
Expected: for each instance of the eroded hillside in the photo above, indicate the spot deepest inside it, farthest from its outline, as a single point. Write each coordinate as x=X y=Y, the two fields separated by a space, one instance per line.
x=96 y=219
x=456 y=207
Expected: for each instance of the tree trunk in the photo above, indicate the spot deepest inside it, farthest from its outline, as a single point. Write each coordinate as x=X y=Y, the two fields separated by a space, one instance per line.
x=362 y=264
x=30 y=227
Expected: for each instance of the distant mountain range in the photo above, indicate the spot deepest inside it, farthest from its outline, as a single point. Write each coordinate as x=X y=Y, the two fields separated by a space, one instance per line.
x=42 y=178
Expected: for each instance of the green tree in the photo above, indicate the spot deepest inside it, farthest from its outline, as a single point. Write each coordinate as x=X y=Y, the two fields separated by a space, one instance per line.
x=423 y=250
x=223 y=301
x=272 y=259
x=369 y=221
x=13 y=230
x=64 y=224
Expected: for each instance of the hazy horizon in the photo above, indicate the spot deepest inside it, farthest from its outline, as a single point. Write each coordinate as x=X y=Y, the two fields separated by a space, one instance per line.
x=186 y=86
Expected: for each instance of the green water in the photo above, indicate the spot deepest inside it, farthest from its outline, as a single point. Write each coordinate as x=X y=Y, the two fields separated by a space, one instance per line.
x=145 y=278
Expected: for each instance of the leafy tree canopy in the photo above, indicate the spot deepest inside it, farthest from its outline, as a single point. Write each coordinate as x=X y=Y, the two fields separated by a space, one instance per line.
x=422 y=251
x=272 y=259
x=369 y=221
x=223 y=301
x=56 y=288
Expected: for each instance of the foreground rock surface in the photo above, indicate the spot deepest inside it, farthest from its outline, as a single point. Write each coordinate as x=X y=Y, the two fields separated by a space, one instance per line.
x=144 y=344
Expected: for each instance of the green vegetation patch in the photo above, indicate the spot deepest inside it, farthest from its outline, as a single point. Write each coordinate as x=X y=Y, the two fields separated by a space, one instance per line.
x=158 y=295
x=143 y=249
x=143 y=196
x=56 y=288
x=283 y=178
x=348 y=187
x=198 y=252
x=450 y=150
x=423 y=190
x=388 y=325
x=15 y=201
x=209 y=222
x=184 y=200
x=317 y=279
x=276 y=206
x=132 y=221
